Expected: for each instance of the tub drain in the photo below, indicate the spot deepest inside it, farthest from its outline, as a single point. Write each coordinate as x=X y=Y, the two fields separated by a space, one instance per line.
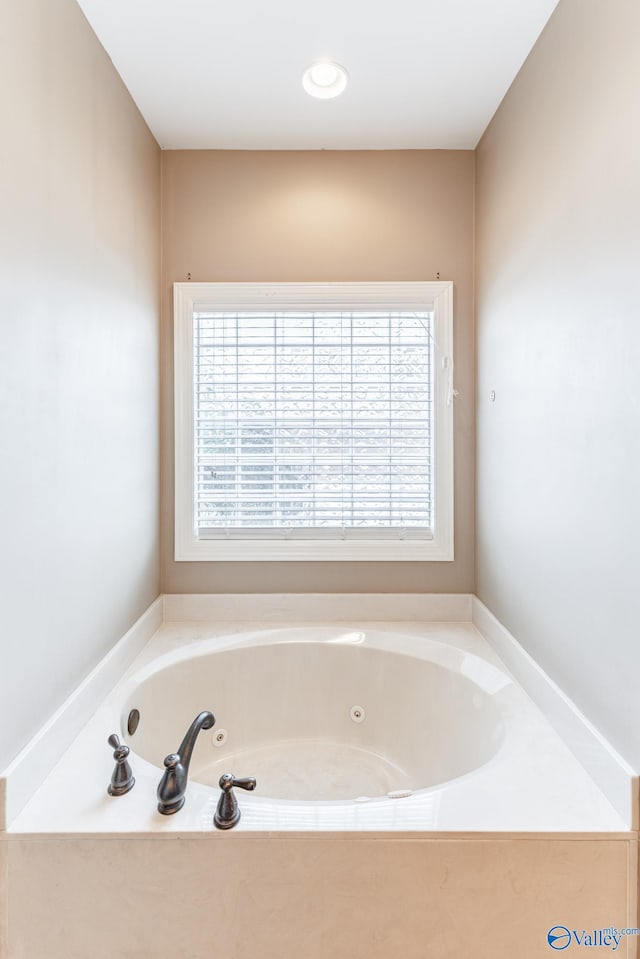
x=357 y=714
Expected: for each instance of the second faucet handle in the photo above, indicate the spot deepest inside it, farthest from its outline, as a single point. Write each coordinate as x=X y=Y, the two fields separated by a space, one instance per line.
x=122 y=779
x=248 y=783
x=227 y=812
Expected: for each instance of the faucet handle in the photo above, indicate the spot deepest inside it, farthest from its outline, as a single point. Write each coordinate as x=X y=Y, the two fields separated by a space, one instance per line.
x=228 y=782
x=114 y=742
x=122 y=779
x=227 y=812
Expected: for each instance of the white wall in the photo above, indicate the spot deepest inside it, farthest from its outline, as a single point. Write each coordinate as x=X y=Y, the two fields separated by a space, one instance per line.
x=79 y=282
x=558 y=337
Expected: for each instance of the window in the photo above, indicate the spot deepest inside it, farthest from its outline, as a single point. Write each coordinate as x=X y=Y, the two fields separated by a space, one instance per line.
x=314 y=421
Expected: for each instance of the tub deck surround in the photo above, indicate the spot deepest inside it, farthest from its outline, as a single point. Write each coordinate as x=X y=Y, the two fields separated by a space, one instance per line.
x=283 y=608
x=236 y=612
x=529 y=785
x=604 y=764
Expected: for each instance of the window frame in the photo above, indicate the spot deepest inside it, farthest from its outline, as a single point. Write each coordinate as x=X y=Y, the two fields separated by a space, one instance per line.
x=192 y=297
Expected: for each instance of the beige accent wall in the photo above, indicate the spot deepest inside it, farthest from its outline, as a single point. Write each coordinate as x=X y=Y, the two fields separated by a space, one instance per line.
x=558 y=338
x=79 y=303
x=303 y=216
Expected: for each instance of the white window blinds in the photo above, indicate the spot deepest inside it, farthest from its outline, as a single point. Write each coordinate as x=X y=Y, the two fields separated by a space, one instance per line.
x=313 y=424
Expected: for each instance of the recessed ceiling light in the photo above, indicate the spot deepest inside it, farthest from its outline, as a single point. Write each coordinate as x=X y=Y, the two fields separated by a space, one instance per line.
x=324 y=79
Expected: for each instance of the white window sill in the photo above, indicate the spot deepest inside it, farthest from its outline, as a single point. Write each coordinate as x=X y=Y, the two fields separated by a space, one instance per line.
x=290 y=551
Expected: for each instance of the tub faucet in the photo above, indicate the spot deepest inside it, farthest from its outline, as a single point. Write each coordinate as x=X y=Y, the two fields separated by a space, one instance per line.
x=173 y=785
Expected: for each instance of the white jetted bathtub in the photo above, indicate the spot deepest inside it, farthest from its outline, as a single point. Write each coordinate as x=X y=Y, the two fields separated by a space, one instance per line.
x=322 y=713
x=403 y=728
x=408 y=792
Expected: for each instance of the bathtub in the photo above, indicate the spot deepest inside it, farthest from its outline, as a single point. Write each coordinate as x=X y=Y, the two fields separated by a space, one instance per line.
x=410 y=796
x=322 y=714
x=346 y=728
x=363 y=728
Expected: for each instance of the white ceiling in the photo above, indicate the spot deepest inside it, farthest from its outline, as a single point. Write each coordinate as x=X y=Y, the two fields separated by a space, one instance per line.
x=424 y=74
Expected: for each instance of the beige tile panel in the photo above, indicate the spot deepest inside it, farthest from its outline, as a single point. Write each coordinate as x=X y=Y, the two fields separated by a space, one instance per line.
x=634 y=893
x=279 y=898
x=3 y=898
